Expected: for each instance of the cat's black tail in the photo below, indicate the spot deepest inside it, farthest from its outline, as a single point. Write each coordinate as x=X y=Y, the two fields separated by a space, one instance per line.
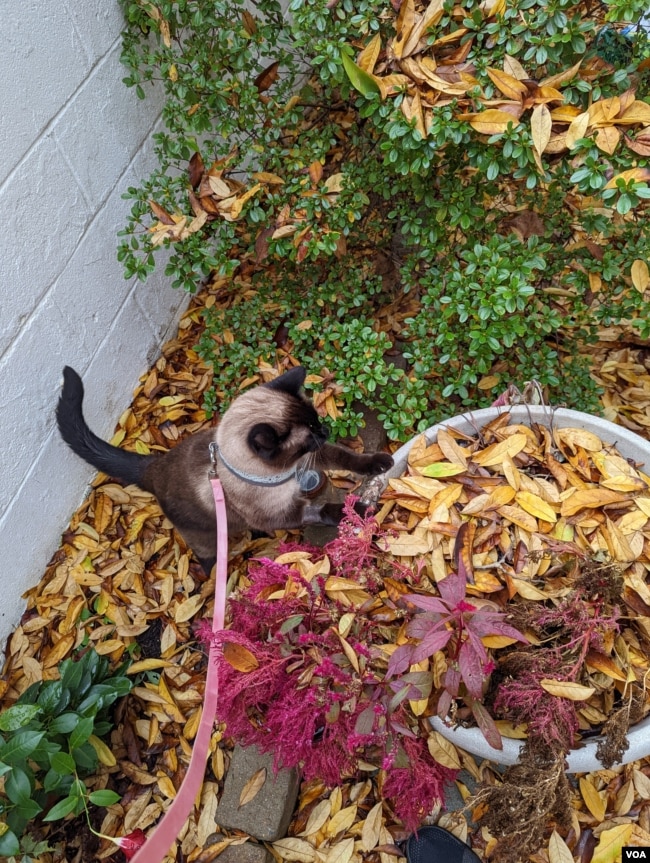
x=121 y=464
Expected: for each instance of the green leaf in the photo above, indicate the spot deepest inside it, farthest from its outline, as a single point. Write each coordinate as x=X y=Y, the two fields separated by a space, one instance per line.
x=20 y=746
x=18 y=715
x=81 y=733
x=55 y=781
x=9 y=844
x=18 y=786
x=291 y=623
x=85 y=757
x=443 y=468
x=64 y=723
x=359 y=78
x=61 y=809
x=63 y=763
x=53 y=698
x=27 y=809
x=105 y=797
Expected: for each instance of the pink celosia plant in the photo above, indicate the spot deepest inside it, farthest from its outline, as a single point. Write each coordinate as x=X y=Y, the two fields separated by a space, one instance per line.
x=453 y=623
x=314 y=690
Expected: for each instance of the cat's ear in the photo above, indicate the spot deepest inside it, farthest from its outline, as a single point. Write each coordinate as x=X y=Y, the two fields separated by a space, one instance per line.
x=290 y=382
x=263 y=440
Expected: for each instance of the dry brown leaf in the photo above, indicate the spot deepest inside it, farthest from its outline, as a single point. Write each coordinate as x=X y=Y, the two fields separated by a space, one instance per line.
x=371 y=829
x=624 y=799
x=595 y=802
x=252 y=788
x=540 y=127
x=567 y=689
x=600 y=662
x=576 y=437
x=295 y=850
x=443 y=751
x=492 y=121
x=641 y=783
x=511 y=87
x=512 y=66
x=187 y=609
x=534 y=505
x=403 y=26
x=558 y=850
x=166 y=787
x=342 y=821
x=590 y=498
x=495 y=453
x=368 y=57
x=239 y=657
x=640 y=275
x=317 y=818
x=607 y=139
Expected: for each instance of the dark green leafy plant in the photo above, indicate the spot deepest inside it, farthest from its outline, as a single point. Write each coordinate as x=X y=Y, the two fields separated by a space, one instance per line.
x=49 y=740
x=301 y=146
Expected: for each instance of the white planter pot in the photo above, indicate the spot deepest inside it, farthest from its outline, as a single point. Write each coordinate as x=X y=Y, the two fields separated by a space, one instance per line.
x=582 y=759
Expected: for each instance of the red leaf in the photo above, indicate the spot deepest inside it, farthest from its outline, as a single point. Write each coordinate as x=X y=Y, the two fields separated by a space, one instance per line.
x=487 y=726
x=267 y=77
x=453 y=588
x=161 y=213
x=196 y=169
x=429 y=644
x=470 y=665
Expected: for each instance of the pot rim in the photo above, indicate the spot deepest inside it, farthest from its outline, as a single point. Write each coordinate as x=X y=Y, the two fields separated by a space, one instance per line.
x=581 y=759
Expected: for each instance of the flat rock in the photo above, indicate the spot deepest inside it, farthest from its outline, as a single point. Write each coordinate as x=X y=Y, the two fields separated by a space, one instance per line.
x=249 y=852
x=268 y=815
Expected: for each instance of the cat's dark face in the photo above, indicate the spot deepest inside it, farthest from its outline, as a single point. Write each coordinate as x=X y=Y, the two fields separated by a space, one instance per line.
x=293 y=428
x=273 y=422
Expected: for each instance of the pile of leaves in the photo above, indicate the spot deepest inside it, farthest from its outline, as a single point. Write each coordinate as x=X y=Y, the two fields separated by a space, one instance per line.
x=549 y=527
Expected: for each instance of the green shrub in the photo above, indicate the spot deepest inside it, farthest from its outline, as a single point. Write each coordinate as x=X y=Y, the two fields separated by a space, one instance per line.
x=49 y=740
x=500 y=160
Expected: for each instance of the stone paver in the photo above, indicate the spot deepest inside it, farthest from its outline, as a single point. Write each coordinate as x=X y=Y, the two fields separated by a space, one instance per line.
x=249 y=852
x=268 y=815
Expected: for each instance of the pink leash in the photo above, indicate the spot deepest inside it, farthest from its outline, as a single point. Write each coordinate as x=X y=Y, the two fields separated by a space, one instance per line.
x=167 y=830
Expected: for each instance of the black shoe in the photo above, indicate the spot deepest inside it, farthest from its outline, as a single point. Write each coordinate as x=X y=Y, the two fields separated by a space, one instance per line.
x=435 y=845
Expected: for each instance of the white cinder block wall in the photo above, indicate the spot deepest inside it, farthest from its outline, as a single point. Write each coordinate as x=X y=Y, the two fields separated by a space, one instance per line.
x=72 y=139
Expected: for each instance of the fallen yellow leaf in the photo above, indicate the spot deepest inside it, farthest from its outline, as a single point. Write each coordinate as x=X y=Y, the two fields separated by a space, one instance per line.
x=567 y=689
x=611 y=843
x=534 y=505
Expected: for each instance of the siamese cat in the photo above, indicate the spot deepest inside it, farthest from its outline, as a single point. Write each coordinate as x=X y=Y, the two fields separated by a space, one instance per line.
x=267 y=450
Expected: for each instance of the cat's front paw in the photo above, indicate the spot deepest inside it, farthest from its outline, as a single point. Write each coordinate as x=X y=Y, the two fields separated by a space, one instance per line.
x=379 y=462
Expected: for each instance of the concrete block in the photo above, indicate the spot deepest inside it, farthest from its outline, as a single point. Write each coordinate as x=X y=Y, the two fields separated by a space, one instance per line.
x=49 y=216
x=98 y=27
x=102 y=127
x=31 y=391
x=42 y=62
x=33 y=522
x=268 y=815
